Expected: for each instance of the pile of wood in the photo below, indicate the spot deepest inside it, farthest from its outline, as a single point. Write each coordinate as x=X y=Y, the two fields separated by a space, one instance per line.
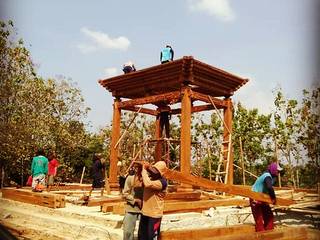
x=45 y=199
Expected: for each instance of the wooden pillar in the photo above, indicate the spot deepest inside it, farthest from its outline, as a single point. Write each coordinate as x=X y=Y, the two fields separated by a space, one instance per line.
x=226 y=131
x=157 y=135
x=115 y=135
x=185 y=141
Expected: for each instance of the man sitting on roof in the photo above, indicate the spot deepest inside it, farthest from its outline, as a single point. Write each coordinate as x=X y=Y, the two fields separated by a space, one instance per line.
x=128 y=67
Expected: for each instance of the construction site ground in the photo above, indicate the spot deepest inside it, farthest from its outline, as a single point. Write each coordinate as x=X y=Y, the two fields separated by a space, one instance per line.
x=28 y=221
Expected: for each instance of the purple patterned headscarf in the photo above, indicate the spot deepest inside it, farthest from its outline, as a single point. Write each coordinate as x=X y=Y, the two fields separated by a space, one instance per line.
x=273 y=168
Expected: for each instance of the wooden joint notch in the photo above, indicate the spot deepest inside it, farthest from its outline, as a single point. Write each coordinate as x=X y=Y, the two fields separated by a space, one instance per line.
x=220 y=104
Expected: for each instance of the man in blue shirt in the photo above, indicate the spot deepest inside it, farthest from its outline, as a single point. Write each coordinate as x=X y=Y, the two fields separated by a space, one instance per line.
x=261 y=211
x=166 y=54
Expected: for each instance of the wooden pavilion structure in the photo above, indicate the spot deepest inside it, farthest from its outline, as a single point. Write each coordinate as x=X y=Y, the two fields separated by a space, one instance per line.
x=184 y=81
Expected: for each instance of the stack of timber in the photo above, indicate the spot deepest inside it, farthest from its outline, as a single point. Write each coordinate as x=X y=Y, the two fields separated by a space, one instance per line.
x=43 y=199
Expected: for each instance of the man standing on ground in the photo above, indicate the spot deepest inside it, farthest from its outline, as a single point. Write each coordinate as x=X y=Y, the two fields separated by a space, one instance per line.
x=153 y=200
x=39 y=170
x=133 y=195
x=98 y=173
x=261 y=211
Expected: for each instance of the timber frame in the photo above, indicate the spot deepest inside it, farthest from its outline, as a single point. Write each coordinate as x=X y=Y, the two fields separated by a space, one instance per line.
x=184 y=81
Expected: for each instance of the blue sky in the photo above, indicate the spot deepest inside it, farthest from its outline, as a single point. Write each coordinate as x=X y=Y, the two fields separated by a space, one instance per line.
x=269 y=42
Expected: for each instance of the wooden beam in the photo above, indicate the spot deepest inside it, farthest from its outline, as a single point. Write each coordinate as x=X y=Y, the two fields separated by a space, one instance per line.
x=206 y=233
x=185 y=144
x=227 y=131
x=212 y=185
x=157 y=135
x=288 y=233
x=297 y=189
x=172 y=205
x=115 y=135
x=83 y=187
x=220 y=104
x=103 y=200
x=171 y=97
x=198 y=206
x=45 y=199
x=142 y=110
x=194 y=109
x=183 y=196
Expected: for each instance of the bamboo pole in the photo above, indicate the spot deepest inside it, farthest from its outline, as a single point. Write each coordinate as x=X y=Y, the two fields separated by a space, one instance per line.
x=83 y=169
x=242 y=162
x=276 y=156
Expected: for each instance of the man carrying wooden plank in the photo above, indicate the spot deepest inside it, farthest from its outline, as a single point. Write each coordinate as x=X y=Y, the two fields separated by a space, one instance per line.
x=261 y=211
x=153 y=200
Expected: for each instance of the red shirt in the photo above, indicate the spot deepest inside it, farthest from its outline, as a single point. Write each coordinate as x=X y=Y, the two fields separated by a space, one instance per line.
x=52 y=167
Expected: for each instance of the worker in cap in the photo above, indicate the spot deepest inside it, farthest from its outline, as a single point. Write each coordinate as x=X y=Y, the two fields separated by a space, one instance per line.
x=155 y=186
x=128 y=67
x=166 y=54
x=261 y=211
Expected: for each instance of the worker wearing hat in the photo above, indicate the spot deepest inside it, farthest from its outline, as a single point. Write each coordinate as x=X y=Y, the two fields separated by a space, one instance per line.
x=153 y=200
x=261 y=211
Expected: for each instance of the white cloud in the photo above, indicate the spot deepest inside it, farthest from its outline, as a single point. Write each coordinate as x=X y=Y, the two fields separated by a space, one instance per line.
x=110 y=72
x=100 y=40
x=219 y=8
x=254 y=95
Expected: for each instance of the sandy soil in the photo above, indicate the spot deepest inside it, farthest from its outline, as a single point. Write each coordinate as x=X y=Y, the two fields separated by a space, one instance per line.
x=80 y=222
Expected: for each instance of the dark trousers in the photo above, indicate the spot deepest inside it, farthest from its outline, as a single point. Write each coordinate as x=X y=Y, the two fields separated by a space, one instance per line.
x=149 y=228
x=262 y=215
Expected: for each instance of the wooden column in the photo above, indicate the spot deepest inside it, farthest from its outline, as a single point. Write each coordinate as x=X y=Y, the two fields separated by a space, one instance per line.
x=185 y=141
x=157 y=135
x=115 y=135
x=226 y=131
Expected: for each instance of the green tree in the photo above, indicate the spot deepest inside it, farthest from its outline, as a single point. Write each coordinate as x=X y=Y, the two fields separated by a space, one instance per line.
x=285 y=132
x=309 y=131
x=254 y=130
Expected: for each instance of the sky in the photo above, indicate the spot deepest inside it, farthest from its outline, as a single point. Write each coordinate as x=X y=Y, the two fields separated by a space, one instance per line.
x=270 y=42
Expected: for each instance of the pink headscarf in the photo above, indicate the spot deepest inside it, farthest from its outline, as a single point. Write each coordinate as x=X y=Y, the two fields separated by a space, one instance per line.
x=273 y=168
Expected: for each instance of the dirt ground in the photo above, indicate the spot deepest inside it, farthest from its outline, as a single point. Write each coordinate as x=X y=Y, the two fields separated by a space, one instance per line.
x=80 y=222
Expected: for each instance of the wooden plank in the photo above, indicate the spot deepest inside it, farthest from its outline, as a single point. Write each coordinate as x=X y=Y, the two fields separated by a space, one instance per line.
x=142 y=110
x=212 y=185
x=198 y=206
x=241 y=232
x=297 y=189
x=200 y=108
x=288 y=233
x=206 y=233
x=183 y=196
x=176 y=206
x=100 y=201
x=43 y=199
x=204 y=98
x=83 y=187
x=167 y=97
